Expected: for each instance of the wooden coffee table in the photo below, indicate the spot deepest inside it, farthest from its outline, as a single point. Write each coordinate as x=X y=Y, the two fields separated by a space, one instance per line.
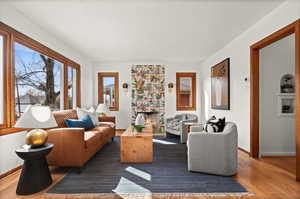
x=136 y=147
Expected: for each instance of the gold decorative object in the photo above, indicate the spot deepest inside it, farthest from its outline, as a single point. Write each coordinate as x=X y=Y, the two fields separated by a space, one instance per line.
x=36 y=137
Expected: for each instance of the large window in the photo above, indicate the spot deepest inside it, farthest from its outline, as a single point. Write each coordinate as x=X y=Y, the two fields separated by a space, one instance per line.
x=37 y=80
x=108 y=90
x=185 y=91
x=31 y=73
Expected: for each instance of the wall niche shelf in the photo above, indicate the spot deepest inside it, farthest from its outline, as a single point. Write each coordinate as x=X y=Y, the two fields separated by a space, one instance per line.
x=286 y=97
x=286 y=104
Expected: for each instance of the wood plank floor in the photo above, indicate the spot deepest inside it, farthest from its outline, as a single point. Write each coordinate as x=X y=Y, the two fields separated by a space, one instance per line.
x=267 y=178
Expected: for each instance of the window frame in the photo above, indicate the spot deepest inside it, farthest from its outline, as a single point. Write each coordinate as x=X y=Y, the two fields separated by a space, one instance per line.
x=101 y=75
x=13 y=36
x=66 y=78
x=6 y=114
x=193 y=76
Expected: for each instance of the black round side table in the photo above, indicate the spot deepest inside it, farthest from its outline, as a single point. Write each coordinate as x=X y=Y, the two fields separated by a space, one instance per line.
x=35 y=175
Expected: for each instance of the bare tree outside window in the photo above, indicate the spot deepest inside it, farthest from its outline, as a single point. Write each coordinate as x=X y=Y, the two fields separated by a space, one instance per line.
x=38 y=79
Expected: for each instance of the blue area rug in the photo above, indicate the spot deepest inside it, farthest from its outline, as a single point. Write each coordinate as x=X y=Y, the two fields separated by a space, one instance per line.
x=166 y=174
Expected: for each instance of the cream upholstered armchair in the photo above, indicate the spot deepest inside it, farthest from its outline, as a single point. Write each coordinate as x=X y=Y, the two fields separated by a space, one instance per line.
x=176 y=125
x=214 y=153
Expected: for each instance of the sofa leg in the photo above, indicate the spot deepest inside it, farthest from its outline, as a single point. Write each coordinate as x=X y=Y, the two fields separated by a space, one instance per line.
x=112 y=139
x=79 y=170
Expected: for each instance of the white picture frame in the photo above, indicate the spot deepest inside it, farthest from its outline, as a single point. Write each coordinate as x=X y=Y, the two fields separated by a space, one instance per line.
x=288 y=100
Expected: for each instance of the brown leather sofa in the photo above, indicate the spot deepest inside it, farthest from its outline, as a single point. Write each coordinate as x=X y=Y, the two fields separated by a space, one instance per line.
x=73 y=147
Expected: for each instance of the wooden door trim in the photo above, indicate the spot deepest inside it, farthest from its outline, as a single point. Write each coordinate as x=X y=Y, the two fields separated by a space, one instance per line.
x=293 y=28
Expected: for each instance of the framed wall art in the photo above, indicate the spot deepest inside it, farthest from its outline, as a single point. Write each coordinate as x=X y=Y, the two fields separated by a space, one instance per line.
x=220 y=85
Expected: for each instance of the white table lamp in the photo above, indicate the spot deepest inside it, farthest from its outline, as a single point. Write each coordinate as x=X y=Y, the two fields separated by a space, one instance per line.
x=102 y=109
x=36 y=117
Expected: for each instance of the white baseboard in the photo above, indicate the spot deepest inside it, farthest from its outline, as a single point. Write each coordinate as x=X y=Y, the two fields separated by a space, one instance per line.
x=278 y=154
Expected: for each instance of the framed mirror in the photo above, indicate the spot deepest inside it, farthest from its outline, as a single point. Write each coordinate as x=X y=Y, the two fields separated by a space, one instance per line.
x=185 y=91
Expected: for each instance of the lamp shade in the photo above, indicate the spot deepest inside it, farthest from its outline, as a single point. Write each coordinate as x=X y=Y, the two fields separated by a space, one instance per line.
x=36 y=116
x=102 y=108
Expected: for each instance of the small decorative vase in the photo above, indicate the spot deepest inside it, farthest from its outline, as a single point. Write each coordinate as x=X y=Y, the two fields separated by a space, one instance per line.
x=140 y=120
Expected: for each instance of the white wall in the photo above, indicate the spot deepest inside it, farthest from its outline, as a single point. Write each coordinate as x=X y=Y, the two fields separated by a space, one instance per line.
x=277 y=134
x=123 y=116
x=239 y=53
x=8 y=145
x=11 y=17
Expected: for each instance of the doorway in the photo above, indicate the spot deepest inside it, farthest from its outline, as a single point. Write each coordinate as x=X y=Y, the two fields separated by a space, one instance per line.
x=293 y=28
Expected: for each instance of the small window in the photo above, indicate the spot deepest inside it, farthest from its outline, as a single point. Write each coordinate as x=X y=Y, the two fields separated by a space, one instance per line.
x=108 y=93
x=185 y=91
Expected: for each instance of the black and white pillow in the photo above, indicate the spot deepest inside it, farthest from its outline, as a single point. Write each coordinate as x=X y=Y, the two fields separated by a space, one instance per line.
x=215 y=126
x=211 y=128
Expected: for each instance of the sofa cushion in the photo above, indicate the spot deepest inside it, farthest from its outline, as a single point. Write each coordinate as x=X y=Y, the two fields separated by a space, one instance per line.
x=105 y=130
x=95 y=135
x=92 y=138
x=60 y=117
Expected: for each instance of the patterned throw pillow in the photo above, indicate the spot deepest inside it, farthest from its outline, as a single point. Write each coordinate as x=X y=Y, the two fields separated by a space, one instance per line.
x=214 y=127
x=211 y=128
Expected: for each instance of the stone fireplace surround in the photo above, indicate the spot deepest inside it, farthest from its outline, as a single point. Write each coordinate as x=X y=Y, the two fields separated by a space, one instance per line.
x=148 y=94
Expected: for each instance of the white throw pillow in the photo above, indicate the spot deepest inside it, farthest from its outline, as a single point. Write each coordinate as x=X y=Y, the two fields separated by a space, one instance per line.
x=92 y=109
x=82 y=112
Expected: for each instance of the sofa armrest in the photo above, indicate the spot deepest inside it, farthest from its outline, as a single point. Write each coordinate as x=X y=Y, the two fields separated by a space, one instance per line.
x=198 y=128
x=111 y=124
x=170 y=119
x=189 y=121
x=107 y=119
x=68 y=146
